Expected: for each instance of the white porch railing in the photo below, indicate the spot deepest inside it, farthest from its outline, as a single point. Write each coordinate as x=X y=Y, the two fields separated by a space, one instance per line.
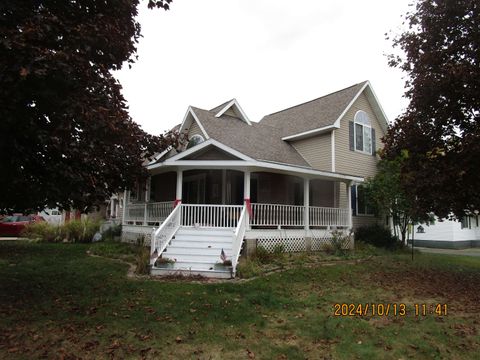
x=158 y=211
x=224 y=216
x=154 y=212
x=277 y=215
x=162 y=236
x=238 y=238
x=326 y=216
x=134 y=213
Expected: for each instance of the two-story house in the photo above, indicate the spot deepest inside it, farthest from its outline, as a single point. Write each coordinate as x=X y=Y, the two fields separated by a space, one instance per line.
x=287 y=180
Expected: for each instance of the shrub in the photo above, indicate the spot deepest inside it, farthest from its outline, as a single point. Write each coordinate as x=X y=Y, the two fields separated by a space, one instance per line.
x=72 y=231
x=42 y=231
x=376 y=235
x=248 y=268
x=142 y=258
x=263 y=256
x=340 y=242
x=80 y=230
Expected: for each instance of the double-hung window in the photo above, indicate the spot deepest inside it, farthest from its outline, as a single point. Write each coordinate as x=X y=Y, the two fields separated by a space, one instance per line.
x=360 y=201
x=363 y=132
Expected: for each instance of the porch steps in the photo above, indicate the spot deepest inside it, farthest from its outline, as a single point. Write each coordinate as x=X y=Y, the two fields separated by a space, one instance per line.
x=196 y=251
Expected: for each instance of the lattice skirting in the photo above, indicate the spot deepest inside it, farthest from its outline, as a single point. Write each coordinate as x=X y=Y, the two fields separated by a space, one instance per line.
x=296 y=240
x=131 y=234
x=290 y=241
x=322 y=240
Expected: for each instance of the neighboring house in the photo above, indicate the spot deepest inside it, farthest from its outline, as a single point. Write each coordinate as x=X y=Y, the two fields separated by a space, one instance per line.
x=287 y=180
x=449 y=234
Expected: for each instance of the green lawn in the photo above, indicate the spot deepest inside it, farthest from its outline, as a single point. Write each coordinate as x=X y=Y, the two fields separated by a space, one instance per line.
x=58 y=302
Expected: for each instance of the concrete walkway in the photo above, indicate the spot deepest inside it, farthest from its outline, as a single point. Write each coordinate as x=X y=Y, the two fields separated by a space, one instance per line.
x=462 y=252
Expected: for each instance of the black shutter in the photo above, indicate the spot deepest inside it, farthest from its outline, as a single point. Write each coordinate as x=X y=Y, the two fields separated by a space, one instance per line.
x=353 y=193
x=374 y=145
x=351 y=135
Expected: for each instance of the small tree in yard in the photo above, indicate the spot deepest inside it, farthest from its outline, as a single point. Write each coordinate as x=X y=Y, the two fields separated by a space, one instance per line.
x=388 y=197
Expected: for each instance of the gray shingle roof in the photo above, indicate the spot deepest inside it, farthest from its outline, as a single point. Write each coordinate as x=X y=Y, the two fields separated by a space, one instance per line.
x=258 y=141
x=313 y=114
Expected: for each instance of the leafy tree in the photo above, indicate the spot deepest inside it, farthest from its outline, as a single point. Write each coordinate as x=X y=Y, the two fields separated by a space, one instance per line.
x=441 y=126
x=386 y=194
x=66 y=138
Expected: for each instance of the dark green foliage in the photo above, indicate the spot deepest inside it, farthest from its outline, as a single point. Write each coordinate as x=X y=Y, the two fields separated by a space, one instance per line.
x=440 y=129
x=376 y=235
x=66 y=138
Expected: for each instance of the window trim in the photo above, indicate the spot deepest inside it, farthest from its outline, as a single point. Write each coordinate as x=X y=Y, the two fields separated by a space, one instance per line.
x=196 y=136
x=368 y=126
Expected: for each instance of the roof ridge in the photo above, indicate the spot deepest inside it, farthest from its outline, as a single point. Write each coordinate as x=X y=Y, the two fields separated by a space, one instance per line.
x=221 y=106
x=321 y=97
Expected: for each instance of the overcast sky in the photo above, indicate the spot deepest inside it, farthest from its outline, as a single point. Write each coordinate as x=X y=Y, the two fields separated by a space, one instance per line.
x=268 y=54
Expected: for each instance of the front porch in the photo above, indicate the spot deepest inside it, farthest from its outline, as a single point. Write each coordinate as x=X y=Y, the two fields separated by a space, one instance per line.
x=215 y=198
x=199 y=218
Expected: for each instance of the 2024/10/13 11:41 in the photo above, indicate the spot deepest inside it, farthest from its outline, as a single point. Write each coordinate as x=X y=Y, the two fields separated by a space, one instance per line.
x=386 y=309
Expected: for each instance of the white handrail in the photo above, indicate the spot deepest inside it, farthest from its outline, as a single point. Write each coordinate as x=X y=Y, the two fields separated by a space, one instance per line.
x=207 y=215
x=162 y=236
x=238 y=239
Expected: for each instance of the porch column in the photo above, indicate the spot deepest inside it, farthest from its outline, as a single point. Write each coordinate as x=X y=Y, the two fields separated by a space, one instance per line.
x=246 y=194
x=178 y=198
x=112 y=208
x=224 y=186
x=124 y=206
x=147 y=198
x=306 y=203
x=349 y=203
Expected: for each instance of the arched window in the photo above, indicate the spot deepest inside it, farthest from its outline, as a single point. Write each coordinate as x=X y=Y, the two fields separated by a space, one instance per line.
x=363 y=132
x=195 y=140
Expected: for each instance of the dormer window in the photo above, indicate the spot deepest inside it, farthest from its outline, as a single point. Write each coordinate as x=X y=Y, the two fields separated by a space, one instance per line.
x=363 y=132
x=195 y=140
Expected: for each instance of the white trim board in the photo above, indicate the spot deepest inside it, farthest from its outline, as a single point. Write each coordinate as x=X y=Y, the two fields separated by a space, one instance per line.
x=234 y=103
x=195 y=117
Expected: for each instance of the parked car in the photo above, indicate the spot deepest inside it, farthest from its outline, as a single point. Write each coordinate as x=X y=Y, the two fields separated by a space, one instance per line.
x=14 y=224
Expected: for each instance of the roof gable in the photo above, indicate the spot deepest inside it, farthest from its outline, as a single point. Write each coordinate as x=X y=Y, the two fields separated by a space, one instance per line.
x=323 y=114
x=231 y=108
x=209 y=145
x=187 y=121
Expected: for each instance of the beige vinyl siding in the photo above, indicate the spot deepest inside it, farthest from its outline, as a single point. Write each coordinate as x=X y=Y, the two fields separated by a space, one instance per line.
x=353 y=162
x=195 y=130
x=317 y=151
x=230 y=112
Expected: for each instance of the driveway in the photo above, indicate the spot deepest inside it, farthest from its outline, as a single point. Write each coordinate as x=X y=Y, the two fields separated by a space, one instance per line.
x=463 y=252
